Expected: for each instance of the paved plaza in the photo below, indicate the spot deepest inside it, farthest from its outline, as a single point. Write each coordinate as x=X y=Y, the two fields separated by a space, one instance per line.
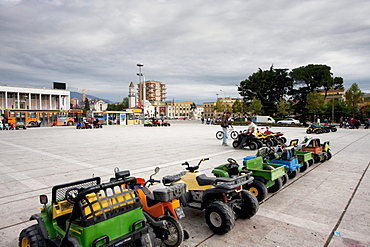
x=327 y=205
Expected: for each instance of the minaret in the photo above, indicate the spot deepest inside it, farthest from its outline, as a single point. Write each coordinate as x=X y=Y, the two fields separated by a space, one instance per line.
x=131 y=96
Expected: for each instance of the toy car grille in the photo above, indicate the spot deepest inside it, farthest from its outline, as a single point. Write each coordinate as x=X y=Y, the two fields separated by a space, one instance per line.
x=59 y=191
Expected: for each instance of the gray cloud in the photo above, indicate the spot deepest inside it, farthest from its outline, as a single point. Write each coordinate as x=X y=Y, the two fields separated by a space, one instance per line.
x=196 y=47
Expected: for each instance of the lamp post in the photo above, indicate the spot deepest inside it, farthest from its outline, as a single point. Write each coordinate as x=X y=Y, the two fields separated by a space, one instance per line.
x=143 y=89
x=225 y=100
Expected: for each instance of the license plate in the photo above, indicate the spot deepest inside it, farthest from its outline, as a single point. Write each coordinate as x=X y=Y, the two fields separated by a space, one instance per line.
x=180 y=213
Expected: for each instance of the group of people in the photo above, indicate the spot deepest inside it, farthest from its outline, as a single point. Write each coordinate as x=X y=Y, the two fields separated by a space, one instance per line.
x=247 y=134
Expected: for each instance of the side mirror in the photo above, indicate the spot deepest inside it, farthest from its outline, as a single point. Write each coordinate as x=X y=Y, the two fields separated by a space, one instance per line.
x=43 y=199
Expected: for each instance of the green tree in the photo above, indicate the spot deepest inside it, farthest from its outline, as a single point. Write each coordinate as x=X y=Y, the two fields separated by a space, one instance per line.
x=315 y=103
x=219 y=106
x=118 y=106
x=309 y=78
x=354 y=96
x=86 y=107
x=238 y=107
x=267 y=86
x=255 y=106
x=283 y=107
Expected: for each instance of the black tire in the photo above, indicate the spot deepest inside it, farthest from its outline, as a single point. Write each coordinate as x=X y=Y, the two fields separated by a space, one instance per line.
x=147 y=240
x=285 y=178
x=293 y=174
x=219 y=217
x=304 y=166
x=283 y=139
x=31 y=237
x=308 y=131
x=276 y=187
x=316 y=158
x=269 y=143
x=258 y=189
x=176 y=233
x=249 y=205
x=33 y=124
x=259 y=144
x=317 y=131
x=333 y=129
x=253 y=145
x=275 y=142
x=234 y=135
x=328 y=155
x=219 y=135
x=310 y=162
x=236 y=144
x=70 y=123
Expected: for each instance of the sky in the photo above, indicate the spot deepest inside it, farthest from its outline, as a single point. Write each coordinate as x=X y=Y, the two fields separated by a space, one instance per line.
x=200 y=49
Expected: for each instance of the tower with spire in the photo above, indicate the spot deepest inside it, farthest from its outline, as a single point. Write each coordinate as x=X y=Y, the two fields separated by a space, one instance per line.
x=131 y=96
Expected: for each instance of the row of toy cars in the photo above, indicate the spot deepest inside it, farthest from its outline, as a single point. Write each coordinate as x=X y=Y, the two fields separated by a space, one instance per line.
x=155 y=123
x=318 y=129
x=11 y=126
x=124 y=212
x=272 y=167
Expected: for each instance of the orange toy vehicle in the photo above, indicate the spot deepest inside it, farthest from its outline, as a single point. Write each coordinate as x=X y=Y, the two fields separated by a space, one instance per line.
x=163 y=204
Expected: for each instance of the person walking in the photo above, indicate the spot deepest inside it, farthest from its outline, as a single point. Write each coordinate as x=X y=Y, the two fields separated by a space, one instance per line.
x=225 y=125
x=249 y=133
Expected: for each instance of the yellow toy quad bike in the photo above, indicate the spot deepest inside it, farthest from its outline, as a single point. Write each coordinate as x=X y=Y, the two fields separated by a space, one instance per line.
x=222 y=198
x=268 y=139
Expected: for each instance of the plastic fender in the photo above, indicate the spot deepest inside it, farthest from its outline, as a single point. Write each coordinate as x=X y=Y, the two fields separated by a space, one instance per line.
x=220 y=172
x=155 y=210
x=171 y=206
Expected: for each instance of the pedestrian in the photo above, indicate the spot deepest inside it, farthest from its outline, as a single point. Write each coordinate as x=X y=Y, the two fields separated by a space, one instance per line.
x=202 y=119
x=249 y=133
x=225 y=125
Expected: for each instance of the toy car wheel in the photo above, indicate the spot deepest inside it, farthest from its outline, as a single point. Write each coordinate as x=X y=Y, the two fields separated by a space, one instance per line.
x=292 y=174
x=328 y=155
x=323 y=157
x=275 y=142
x=249 y=205
x=277 y=186
x=316 y=158
x=31 y=237
x=285 y=179
x=253 y=146
x=259 y=144
x=258 y=189
x=234 y=135
x=219 y=135
x=308 y=131
x=317 y=131
x=147 y=240
x=304 y=166
x=333 y=129
x=310 y=162
x=235 y=144
x=175 y=232
x=268 y=143
x=219 y=217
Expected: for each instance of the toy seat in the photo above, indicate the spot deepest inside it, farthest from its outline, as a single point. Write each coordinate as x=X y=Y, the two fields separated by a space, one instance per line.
x=254 y=164
x=173 y=178
x=288 y=154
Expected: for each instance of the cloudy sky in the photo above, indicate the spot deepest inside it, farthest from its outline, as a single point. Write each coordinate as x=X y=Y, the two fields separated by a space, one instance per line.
x=196 y=47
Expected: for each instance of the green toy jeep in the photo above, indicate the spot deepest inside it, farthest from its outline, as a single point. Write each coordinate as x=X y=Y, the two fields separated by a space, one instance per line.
x=90 y=213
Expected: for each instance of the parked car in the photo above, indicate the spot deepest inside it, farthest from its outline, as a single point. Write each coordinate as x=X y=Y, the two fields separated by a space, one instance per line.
x=289 y=121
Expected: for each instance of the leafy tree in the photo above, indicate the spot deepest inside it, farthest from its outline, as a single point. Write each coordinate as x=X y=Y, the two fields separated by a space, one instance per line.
x=315 y=103
x=267 y=86
x=255 y=106
x=238 y=107
x=219 y=106
x=354 y=96
x=283 y=107
x=86 y=107
x=311 y=77
x=120 y=106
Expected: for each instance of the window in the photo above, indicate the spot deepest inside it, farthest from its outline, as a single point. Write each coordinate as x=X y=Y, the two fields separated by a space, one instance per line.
x=32 y=114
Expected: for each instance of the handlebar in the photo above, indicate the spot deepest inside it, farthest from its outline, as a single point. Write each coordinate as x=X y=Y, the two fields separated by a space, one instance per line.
x=193 y=168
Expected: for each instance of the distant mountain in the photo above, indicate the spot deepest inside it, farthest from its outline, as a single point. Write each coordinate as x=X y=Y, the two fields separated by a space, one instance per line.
x=79 y=96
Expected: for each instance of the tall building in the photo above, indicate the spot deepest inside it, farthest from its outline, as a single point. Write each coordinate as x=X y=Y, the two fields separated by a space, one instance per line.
x=154 y=91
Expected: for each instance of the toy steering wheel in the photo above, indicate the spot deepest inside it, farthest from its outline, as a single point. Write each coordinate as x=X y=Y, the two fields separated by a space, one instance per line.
x=232 y=163
x=71 y=195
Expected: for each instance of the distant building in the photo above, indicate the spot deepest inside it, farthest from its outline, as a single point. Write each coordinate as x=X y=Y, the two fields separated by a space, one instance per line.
x=154 y=91
x=98 y=105
x=34 y=98
x=337 y=94
x=209 y=107
x=74 y=102
x=131 y=96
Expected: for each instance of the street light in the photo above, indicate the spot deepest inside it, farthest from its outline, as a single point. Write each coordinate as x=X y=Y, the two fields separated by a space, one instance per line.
x=143 y=90
x=224 y=92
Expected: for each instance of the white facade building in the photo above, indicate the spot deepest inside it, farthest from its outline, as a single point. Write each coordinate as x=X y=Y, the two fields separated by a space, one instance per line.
x=34 y=98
